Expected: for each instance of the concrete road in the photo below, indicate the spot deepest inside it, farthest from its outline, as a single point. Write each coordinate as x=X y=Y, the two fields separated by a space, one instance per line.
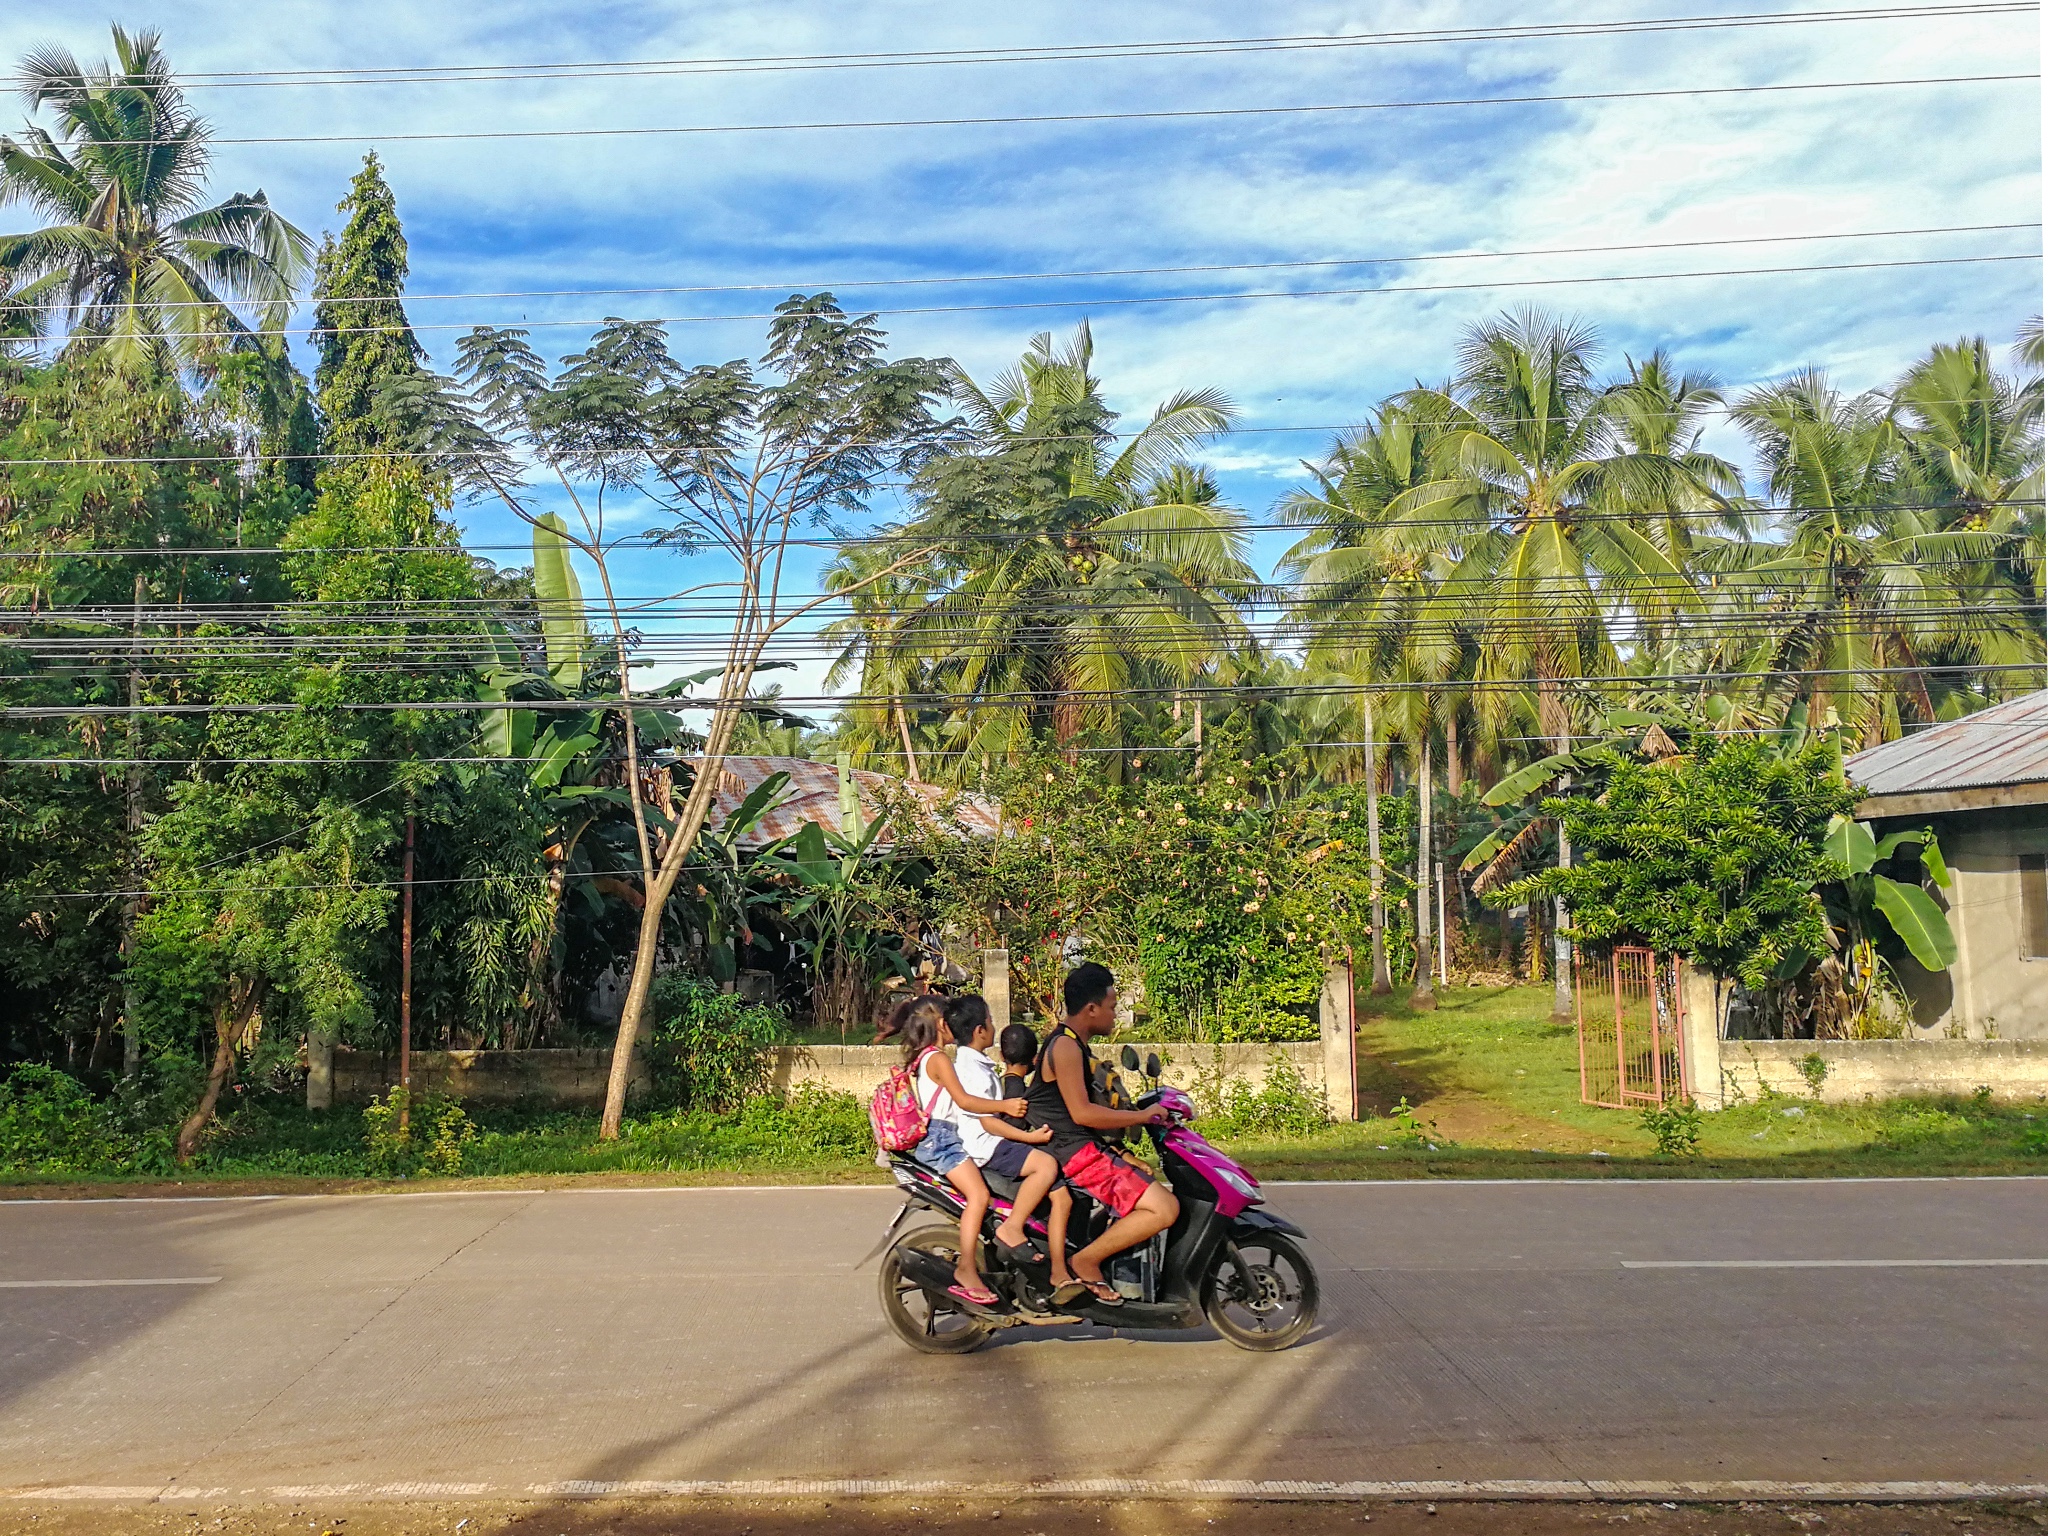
x=1546 y=1337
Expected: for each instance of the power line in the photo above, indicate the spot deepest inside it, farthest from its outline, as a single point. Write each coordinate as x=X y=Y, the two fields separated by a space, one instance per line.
x=1050 y=534
x=1125 y=301
x=1163 y=114
x=1099 y=272
x=1029 y=699
x=413 y=74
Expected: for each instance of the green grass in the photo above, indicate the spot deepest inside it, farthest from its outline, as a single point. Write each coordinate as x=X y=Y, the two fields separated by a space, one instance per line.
x=1490 y=1083
x=1494 y=1086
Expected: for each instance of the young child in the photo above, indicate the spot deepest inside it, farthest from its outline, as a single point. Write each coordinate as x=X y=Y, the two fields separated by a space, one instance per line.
x=1019 y=1048
x=916 y=1022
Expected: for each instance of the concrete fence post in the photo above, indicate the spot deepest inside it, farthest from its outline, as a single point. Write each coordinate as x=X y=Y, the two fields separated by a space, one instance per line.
x=319 y=1071
x=1701 y=1036
x=1340 y=1040
x=995 y=986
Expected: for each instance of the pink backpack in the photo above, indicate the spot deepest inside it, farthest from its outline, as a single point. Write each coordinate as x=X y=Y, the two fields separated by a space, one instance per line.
x=899 y=1120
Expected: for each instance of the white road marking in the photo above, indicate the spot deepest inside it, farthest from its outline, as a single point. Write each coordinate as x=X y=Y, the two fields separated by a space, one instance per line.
x=1833 y=1263
x=1088 y=1488
x=68 y=1285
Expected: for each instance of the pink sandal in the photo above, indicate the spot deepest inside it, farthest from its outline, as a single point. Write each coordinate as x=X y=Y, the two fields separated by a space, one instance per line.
x=984 y=1298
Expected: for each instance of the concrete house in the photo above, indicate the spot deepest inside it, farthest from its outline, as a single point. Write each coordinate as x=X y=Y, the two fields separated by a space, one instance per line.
x=1982 y=783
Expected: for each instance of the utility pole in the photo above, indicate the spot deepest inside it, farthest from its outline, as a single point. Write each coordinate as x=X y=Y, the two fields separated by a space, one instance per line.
x=405 y=994
x=131 y=906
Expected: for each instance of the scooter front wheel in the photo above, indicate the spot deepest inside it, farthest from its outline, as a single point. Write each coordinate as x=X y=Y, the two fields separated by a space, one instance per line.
x=932 y=1326
x=1277 y=1308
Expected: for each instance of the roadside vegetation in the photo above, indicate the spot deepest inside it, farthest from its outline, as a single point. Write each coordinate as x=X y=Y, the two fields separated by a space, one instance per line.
x=285 y=768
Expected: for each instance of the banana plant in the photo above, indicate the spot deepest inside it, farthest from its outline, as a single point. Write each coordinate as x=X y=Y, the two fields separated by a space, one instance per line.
x=1865 y=896
x=844 y=935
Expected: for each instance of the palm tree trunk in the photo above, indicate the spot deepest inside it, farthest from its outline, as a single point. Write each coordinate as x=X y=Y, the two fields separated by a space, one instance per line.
x=131 y=906
x=903 y=725
x=1454 y=770
x=1424 y=994
x=1562 y=1007
x=1382 y=982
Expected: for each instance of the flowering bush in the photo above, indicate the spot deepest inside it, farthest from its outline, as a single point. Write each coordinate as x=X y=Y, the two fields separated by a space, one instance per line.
x=1221 y=882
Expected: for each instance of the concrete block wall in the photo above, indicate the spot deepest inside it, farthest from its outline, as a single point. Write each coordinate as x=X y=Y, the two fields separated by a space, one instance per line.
x=1860 y=1070
x=576 y=1079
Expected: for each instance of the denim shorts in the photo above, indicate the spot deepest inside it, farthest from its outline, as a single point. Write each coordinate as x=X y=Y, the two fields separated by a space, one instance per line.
x=940 y=1150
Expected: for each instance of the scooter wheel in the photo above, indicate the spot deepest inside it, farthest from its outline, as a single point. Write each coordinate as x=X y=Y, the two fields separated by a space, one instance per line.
x=932 y=1326
x=1280 y=1307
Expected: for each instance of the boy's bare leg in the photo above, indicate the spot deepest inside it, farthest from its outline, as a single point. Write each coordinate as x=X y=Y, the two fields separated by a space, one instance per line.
x=1154 y=1213
x=1039 y=1173
x=1058 y=1210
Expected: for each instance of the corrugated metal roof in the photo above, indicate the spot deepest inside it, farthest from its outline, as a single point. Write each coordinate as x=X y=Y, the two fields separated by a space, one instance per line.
x=813 y=795
x=2006 y=744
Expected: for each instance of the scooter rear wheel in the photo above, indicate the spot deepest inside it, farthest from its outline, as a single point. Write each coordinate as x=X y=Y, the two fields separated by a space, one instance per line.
x=1280 y=1307
x=928 y=1325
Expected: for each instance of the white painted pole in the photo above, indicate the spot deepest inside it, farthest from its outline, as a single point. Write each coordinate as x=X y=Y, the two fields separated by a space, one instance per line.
x=1443 y=933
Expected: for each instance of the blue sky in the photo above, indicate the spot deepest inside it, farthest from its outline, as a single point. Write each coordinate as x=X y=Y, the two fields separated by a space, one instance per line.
x=816 y=208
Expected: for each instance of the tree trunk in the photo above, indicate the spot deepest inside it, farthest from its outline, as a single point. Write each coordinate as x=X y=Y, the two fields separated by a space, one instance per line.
x=1562 y=1007
x=1454 y=770
x=909 y=752
x=405 y=994
x=131 y=905
x=1382 y=982
x=1424 y=994
x=230 y=1022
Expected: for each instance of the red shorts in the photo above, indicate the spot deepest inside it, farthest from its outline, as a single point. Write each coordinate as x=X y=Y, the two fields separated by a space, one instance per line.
x=1116 y=1183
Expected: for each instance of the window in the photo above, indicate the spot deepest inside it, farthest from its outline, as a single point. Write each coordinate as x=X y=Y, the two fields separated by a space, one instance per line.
x=2033 y=906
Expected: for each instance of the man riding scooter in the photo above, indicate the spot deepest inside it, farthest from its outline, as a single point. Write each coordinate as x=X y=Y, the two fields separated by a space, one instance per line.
x=1059 y=1099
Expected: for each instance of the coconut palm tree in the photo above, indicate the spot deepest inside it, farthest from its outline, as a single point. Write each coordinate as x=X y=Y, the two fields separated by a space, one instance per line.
x=131 y=256
x=1070 y=571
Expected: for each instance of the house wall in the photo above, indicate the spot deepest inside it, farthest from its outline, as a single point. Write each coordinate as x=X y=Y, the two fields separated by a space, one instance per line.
x=1991 y=993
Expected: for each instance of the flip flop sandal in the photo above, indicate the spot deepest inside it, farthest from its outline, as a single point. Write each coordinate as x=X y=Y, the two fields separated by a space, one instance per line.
x=1015 y=1253
x=1104 y=1294
x=987 y=1298
x=1066 y=1295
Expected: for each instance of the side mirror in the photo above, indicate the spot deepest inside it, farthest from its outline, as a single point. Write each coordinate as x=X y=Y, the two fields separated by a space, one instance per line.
x=1129 y=1059
x=1152 y=1067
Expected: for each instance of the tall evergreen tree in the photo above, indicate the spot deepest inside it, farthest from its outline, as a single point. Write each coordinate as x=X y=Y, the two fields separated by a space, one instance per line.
x=359 y=326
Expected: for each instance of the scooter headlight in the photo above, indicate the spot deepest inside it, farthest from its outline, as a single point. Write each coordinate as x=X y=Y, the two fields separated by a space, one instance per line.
x=1241 y=1185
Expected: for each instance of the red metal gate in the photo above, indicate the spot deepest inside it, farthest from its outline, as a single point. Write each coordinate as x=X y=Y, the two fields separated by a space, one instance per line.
x=1631 y=1035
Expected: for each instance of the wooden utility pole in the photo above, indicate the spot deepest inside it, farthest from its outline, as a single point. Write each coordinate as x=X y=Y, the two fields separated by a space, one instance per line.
x=405 y=994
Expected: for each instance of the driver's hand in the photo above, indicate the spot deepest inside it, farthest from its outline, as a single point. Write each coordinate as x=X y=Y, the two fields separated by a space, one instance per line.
x=1157 y=1115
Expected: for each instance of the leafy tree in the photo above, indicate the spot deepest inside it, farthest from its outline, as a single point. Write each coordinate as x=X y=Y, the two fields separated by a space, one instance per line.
x=1715 y=855
x=365 y=342
x=132 y=258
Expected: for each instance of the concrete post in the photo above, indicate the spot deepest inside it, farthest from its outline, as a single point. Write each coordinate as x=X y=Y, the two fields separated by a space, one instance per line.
x=319 y=1071
x=995 y=986
x=1701 y=1036
x=1340 y=1040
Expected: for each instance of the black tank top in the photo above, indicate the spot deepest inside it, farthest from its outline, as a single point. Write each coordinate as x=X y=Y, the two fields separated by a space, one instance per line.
x=1046 y=1106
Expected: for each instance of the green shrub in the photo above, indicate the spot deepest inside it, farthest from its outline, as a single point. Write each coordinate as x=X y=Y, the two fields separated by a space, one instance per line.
x=1285 y=1104
x=1675 y=1127
x=432 y=1138
x=49 y=1123
x=712 y=1050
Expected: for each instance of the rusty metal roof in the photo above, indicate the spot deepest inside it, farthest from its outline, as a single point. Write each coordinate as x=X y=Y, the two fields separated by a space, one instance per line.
x=2006 y=744
x=813 y=795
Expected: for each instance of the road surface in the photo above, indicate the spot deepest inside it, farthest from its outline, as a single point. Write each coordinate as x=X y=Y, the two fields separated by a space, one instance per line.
x=1854 y=1338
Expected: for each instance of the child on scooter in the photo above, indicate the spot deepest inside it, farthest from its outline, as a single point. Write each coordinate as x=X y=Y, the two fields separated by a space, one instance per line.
x=1007 y=1145
x=917 y=1023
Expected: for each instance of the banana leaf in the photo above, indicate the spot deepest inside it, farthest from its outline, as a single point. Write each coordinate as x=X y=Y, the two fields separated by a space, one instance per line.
x=1917 y=921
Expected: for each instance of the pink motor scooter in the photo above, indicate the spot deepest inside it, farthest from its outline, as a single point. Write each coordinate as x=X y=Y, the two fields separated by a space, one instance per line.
x=1225 y=1261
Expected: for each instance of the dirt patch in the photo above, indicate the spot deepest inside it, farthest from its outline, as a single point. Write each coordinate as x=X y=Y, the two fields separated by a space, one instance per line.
x=1021 y=1517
